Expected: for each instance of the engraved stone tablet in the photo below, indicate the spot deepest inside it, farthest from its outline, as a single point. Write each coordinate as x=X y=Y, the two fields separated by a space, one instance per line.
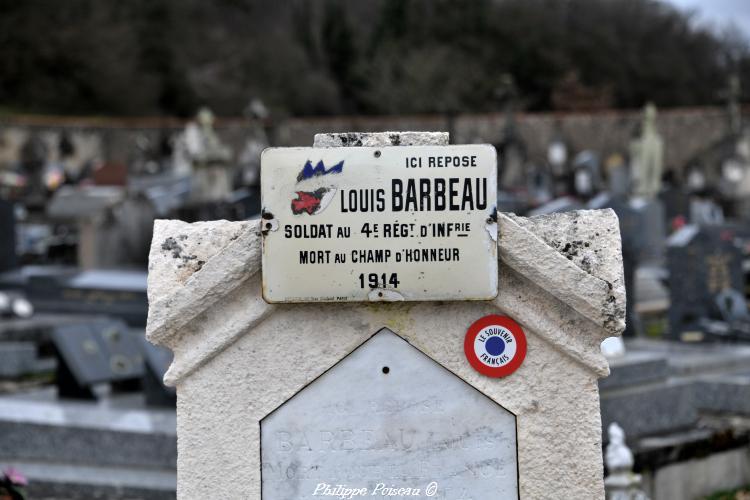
x=387 y=416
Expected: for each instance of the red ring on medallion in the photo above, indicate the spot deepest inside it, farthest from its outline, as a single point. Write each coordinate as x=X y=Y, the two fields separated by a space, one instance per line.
x=495 y=320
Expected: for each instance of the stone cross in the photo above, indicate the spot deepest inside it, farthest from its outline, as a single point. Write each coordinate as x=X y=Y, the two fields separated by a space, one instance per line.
x=297 y=400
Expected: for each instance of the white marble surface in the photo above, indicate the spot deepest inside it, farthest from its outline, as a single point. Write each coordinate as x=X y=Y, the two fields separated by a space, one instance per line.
x=417 y=424
x=84 y=414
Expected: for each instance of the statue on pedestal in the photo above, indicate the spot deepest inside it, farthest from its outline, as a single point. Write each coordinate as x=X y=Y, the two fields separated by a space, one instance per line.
x=206 y=158
x=647 y=156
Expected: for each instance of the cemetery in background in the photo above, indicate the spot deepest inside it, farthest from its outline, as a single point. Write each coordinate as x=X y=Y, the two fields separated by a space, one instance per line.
x=687 y=131
x=595 y=109
x=83 y=408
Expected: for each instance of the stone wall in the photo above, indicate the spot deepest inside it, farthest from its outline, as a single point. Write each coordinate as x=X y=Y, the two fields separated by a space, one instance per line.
x=686 y=132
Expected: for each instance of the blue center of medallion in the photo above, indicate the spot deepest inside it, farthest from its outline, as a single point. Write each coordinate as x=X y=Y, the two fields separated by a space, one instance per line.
x=495 y=346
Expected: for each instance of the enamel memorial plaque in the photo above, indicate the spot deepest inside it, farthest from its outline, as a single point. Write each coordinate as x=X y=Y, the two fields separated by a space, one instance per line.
x=379 y=224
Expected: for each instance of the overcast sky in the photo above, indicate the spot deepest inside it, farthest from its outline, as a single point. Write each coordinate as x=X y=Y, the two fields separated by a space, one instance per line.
x=720 y=12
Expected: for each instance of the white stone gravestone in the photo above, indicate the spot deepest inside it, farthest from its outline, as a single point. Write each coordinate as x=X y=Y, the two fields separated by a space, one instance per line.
x=280 y=401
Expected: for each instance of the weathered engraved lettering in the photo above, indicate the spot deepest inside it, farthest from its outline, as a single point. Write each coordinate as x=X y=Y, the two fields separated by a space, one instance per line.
x=362 y=425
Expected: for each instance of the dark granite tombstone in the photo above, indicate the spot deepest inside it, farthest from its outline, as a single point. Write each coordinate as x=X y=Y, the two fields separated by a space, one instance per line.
x=7 y=236
x=586 y=174
x=157 y=360
x=540 y=185
x=102 y=351
x=632 y=242
x=619 y=180
x=121 y=294
x=80 y=450
x=704 y=264
x=676 y=206
x=661 y=389
x=652 y=229
x=17 y=359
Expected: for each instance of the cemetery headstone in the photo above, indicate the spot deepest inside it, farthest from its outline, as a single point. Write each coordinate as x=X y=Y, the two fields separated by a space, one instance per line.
x=631 y=224
x=653 y=231
x=540 y=187
x=676 y=203
x=703 y=262
x=734 y=108
x=17 y=359
x=8 y=256
x=94 y=353
x=618 y=176
x=557 y=159
x=156 y=362
x=586 y=174
x=249 y=161
x=513 y=157
x=117 y=293
x=92 y=209
x=704 y=211
x=33 y=155
x=283 y=400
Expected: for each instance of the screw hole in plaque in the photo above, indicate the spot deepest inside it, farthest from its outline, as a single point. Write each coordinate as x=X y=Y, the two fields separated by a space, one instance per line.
x=380 y=294
x=386 y=370
x=269 y=225
x=377 y=154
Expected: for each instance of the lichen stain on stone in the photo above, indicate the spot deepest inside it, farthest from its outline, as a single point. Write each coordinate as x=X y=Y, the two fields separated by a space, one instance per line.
x=348 y=139
x=613 y=312
x=171 y=245
x=577 y=249
x=613 y=316
x=395 y=315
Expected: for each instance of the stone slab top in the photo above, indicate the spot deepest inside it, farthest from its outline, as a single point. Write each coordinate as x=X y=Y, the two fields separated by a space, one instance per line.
x=377 y=139
x=696 y=359
x=88 y=477
x=573 y=258
x=570 y=262
x=87 y=415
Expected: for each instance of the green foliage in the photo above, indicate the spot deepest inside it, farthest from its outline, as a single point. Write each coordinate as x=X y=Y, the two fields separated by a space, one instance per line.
x=739 y=494
x=341 y=56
